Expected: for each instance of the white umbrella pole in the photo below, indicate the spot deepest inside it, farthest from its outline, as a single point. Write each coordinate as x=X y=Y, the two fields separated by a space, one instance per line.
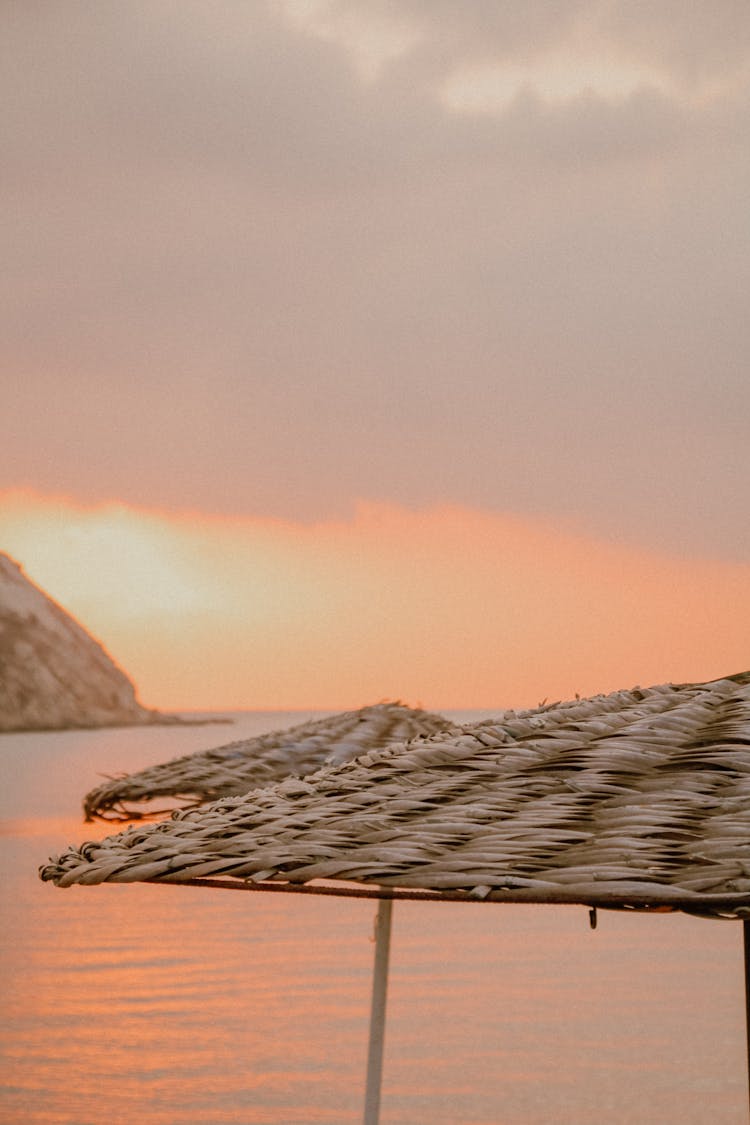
x=377 y=1011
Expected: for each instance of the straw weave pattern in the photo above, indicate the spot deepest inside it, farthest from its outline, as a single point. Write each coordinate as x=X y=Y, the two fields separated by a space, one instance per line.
x=641 y=794
x=238 y=767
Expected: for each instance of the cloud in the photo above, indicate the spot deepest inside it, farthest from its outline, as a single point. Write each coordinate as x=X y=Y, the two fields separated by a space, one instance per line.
x=436 y=38
x=244 y=275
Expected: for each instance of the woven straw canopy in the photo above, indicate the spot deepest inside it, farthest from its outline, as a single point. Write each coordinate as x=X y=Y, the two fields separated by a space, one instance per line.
x=636 y=799
x=230 y=770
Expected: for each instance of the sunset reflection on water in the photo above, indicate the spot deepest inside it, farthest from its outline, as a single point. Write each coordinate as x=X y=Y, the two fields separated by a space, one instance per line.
x=162 y=1004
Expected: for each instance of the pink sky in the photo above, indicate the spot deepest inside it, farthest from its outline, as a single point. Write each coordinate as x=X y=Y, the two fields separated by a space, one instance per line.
x=380 y=350
x=446 y=607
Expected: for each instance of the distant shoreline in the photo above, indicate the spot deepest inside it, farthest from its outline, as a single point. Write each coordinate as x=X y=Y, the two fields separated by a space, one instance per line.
x=149 y=721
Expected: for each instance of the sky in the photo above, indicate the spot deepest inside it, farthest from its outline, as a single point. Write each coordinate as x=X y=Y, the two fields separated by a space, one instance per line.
x=356 y=349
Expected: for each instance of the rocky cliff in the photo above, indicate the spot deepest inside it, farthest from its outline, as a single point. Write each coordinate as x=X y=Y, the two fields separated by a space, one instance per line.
x=53 y=674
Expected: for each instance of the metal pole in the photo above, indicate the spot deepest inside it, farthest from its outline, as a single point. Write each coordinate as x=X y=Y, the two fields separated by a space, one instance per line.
x=377 y=1012
x=746 y=937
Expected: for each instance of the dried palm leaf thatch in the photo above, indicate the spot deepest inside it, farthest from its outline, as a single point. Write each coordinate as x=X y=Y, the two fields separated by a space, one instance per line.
x=233 y=769
x=636 y=799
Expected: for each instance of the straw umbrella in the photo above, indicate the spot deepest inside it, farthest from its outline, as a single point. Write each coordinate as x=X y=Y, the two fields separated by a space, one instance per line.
x=639 y=799
x=237 y=767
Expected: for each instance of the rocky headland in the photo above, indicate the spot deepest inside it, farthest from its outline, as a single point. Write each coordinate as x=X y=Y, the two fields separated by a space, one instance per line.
x=53 y=674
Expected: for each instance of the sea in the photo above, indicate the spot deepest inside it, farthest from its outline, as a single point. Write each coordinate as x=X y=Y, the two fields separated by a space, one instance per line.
x=168 y=1005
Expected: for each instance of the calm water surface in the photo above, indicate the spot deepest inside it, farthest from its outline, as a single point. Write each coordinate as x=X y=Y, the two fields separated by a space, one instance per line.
x=171 y=1005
